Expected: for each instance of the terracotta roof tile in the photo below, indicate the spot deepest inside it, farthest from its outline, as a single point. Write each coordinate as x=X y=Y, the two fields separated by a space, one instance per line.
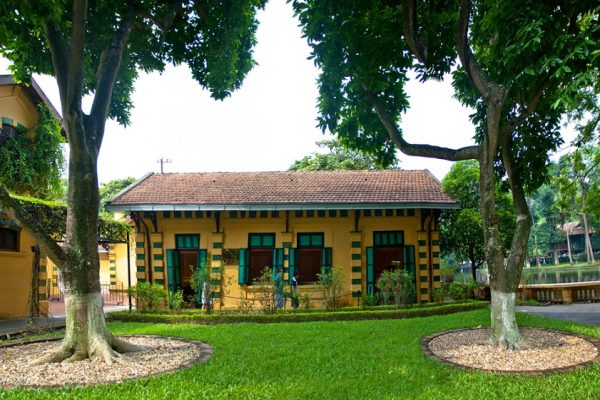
x=281 y=188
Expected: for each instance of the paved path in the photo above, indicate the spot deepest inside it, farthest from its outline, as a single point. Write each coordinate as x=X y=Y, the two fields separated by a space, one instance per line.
x=588 y=314
x=16 y=326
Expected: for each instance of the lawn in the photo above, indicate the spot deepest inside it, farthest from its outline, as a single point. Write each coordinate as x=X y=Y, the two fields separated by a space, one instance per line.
x=333 y=360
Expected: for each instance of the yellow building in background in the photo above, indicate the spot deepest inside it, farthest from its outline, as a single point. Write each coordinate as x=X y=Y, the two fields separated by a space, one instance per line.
x=361 y=222
x=18 y=274
x=29 y=281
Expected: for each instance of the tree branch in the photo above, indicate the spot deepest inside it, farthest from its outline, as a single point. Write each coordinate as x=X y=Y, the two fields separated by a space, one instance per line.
x=165 y=24
x=420 y=150
x=33 y=227
x=413 y=39
x=76 y=46
x=106 y=75
x=470 y=64
x=59 y=50
x=529 y=108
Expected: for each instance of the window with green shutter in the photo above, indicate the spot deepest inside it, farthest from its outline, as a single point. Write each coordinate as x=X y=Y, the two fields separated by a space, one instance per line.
x=388 y=238
x=311 y=256
x=173 y=271
x=293 y=264
x=187 y=241
x=243 y=267
x=370 y=270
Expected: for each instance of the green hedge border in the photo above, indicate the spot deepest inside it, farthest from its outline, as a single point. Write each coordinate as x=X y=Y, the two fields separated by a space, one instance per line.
x=343 y=315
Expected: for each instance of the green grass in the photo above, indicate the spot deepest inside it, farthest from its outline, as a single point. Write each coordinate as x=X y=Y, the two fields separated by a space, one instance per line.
x=333 y=360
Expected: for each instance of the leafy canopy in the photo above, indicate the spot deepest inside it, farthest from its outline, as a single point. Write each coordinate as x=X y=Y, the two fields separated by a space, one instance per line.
x=338 y=158
x=213 y=38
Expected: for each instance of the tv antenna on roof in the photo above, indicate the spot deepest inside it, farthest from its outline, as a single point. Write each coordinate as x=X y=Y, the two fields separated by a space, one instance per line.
x=163 y=161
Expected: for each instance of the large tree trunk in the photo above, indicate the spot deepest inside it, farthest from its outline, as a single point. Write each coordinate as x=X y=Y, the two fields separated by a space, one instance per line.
x=504 y=279
x=86 y=334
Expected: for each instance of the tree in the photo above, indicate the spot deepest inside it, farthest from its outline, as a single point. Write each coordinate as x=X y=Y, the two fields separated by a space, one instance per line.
x=109 y=190
x=544 y=234
x=339 y=158
x=97 y=49
x=462 y=230
x=578 y=186
x=518 y=62
x=31 y=165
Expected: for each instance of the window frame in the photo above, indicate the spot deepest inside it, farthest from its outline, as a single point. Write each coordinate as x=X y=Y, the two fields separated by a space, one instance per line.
x=3 y=239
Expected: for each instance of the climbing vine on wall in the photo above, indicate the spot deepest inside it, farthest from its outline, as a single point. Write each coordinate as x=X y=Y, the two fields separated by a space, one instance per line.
x=53 y=218
x=31 y=164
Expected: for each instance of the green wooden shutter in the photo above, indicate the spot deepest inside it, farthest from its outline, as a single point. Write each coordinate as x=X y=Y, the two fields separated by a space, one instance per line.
x=370 y=270
x=293 y=265
x=409 y=259
x=326 y=258
x=173 y=271
x=243 y=272
x=277 y=260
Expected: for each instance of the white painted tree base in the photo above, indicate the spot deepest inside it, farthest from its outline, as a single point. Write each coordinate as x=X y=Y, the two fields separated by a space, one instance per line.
x=86 y=335
x=504 y=332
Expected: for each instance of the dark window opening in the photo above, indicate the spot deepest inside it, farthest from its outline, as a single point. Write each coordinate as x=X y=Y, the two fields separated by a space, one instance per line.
x=260 y=253
x=310 y=256
x=9 y=239
x=387 y=258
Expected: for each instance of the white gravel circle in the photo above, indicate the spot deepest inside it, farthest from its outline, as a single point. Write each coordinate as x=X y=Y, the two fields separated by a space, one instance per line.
x=164 y=354
x=542 y=350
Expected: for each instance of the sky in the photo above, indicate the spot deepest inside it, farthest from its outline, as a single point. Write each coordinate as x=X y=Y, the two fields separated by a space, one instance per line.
x=264 y=126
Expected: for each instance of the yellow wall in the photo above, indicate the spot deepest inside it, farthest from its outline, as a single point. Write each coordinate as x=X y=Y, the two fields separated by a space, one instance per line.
x=15 y=104
x=15 y=279
x=338 y=233
x=16 y=267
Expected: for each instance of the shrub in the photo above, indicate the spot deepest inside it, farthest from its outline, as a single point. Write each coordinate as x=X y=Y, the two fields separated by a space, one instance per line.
x=369 y=300
x=305 y=302
x=330 y=284
x=176 y=301
x=149 y=298
x=265 y=291
x=438 y=294
x=461 y=291
x=397 y=286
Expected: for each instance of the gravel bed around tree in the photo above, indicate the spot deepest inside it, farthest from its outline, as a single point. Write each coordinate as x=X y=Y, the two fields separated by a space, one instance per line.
x=163 y=354
x=543 y=351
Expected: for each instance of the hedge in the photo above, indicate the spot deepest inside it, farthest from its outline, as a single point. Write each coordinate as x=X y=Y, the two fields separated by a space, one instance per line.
x=298 y=316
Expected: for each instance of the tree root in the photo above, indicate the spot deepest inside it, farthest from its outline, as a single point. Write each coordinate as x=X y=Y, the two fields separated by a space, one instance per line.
x=109 y=350
x=63 y=352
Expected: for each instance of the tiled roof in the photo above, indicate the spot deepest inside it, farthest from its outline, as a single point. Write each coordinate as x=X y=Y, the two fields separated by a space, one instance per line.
x=243 y=190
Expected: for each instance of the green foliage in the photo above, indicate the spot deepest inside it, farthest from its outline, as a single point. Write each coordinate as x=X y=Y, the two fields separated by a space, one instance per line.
x=214 y=40
x=338 y=158
x=305 y=302
x=264 y=291
x=396 y=286
x=439 y=294
x=31 y=163
x=301 y=315
x=176 y=301
x=149 y=297
x=53 y=218
x=461 y=291
x=330 y=283
x=109 y=190
x=369 y=300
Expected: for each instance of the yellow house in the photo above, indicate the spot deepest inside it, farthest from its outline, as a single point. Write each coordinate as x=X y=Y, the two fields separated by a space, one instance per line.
x=18 y=110
x=361 y=222
x=29 y=280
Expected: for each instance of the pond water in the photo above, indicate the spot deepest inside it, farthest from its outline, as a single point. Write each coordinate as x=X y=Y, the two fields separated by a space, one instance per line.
x=540 y=276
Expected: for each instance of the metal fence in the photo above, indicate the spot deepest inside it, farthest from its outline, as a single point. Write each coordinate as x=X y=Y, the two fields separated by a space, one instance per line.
x=111 y=294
